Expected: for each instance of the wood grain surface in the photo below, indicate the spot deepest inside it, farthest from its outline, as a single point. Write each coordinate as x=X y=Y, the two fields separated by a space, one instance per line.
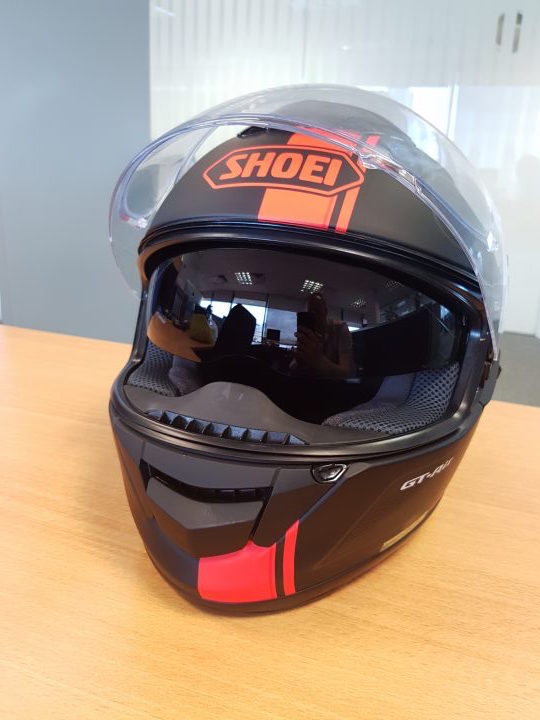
x=448 y=627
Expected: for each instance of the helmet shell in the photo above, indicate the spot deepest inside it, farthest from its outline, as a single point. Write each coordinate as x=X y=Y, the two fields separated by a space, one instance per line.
x=273 y=176
x=250 y=526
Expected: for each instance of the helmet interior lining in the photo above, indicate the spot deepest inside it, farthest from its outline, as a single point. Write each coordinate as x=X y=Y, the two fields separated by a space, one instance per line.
x=403 y=403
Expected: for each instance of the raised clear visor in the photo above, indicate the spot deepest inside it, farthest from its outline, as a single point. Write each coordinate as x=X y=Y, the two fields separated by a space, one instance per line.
x=315 y=349
x=407 y=148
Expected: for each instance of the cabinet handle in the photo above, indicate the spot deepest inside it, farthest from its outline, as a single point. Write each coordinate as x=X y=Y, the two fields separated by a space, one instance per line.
x=500 y=28
x=517 y=32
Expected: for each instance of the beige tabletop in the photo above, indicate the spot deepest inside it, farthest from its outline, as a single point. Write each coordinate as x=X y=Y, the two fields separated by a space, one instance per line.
x=447 y=627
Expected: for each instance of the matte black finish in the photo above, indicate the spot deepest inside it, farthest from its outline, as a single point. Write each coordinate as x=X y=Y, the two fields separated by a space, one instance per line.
x=204 y=473
x=368 y=508
x=293 y=493
x=191 y=524
x=343 y=527
x=384 y=209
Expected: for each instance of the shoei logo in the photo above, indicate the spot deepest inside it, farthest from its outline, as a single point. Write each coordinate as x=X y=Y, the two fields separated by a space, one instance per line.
x=326 y=172
x=420 y=478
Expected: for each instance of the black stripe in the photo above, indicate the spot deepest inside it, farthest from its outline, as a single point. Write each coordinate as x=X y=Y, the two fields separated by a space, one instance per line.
x=336 y=210
x=279 y=567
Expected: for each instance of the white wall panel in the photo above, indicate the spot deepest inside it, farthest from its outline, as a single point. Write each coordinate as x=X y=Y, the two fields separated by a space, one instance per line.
x=207 y=51
x=75 y=110
x=442 y=58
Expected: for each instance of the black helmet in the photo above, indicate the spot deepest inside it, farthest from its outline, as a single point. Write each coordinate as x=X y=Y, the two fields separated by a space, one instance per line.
x=321 y=280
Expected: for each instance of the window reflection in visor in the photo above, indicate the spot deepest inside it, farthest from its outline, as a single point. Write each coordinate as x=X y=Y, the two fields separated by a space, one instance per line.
x=320 y=338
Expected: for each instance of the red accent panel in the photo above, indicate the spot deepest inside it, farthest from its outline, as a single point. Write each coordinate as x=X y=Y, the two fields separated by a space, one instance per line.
x=246 y=575
x=289 y=549
x=292 y=206
x=298 y=139
x=373 y=140
x=345 y=214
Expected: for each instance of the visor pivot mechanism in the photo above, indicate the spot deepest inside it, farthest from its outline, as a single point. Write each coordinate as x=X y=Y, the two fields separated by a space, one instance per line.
x=328 y=473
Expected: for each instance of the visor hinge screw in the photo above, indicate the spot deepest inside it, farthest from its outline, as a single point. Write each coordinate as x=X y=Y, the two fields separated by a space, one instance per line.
x=328 y=473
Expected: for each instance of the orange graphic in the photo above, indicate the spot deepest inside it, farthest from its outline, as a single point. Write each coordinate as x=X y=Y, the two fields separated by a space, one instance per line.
x=298 y=208
x=347 y=207
x=319 y=169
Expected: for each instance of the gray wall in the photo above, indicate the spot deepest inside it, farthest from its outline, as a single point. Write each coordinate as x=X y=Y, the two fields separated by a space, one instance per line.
x=75 y=108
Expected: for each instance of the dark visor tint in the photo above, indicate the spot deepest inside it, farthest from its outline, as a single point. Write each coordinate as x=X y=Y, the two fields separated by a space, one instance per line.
x=316 y=336
x=387 y=327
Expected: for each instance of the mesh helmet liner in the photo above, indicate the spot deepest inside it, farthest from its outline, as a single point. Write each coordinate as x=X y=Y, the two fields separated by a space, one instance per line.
x=403 y=403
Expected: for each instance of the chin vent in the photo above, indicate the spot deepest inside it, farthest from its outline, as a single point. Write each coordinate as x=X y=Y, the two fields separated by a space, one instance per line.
x=205 y=494
x=221 y=430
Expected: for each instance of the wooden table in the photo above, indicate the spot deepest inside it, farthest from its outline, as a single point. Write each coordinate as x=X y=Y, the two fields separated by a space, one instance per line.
x=448 y=627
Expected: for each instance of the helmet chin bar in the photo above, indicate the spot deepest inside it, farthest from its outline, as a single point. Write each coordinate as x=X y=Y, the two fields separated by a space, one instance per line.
x=247 y=534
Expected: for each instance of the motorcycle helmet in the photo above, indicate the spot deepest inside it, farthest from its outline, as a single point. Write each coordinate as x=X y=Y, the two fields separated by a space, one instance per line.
x=321 y=279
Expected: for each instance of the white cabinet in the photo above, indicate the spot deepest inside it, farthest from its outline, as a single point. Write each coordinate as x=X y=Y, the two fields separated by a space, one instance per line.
x=499 y=42
x=423 y=42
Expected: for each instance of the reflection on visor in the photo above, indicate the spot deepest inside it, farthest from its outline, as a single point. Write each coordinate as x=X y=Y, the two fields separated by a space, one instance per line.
x=320 y=339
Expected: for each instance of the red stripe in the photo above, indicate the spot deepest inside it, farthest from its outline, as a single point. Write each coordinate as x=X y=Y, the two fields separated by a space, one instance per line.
x=299 y=208
x=305 y=208
x=246 y=575
x=298 y=139
x=345 y=214
x=346 y=211
x=289 y=550
x=373 y=140
x=294 y=206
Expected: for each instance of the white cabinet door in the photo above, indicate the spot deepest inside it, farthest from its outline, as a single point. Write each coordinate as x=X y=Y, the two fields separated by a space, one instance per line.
x=422 y=42
x=499 y=42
